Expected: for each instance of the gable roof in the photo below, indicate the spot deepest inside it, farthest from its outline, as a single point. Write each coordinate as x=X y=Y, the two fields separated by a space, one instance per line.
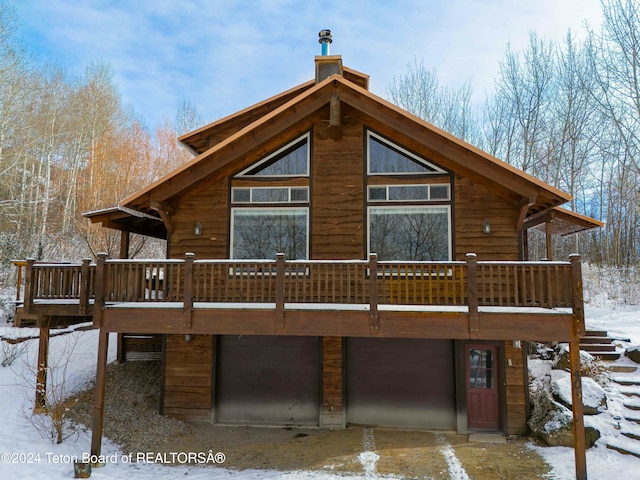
x=208 y=136
x=252 y=127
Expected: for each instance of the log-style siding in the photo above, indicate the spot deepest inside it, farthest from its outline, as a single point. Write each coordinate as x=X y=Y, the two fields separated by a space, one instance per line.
x=209 y=206
x=473 y=205
x=188 y=377
x=332 y=383
x=337 y=207
x=516 y=389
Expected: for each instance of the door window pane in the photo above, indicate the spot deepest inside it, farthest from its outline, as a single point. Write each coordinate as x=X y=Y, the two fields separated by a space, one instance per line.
x=481 y=368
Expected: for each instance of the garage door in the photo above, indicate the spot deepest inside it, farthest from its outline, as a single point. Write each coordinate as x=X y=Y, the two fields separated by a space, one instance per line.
x=401 y=383
x=268 y=380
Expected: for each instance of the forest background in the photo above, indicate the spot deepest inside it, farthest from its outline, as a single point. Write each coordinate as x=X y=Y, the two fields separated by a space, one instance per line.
x=565 y=111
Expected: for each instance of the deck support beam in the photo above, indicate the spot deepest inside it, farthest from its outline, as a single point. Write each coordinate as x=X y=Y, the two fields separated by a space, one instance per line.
x=41 y=376
x=578 y=410
x=98 y=399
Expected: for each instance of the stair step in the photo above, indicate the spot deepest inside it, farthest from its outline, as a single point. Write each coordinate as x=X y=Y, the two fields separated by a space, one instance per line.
x=621 y=368
x=629 y=391
x=594 y=339
x=626 y=448
x=606 y=355
x=595 y=333
x=626 y=380
x=632 y=405
x=598 y=347
x=632 y=418
x=632 y=435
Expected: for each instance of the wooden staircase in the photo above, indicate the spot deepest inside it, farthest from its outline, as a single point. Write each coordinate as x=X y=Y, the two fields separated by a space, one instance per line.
x=599 y=344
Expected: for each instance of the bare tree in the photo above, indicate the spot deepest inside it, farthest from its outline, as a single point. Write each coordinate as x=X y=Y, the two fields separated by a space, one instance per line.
x=419 y=92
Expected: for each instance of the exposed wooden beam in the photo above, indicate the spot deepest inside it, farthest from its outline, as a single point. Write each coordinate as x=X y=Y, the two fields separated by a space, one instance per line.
x=522 y=208
x=344 y=323
x=577 y=408
x=98 y=399
x=164 y=211
x=41 y=375
x=335 y=119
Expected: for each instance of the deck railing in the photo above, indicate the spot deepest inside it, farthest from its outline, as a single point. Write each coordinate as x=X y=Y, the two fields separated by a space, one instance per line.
x=469 y=283
x=59 y=282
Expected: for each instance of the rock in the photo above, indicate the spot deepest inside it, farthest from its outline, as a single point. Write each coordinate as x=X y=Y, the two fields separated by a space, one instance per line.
x=561 y=361
x=553 y=422
x=633 y=352
x=594 y=399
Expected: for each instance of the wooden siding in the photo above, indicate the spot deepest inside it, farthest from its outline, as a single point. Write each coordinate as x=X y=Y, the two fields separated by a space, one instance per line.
x=188 y=377
x=209 y=206
x=332 y=383
x=337 y=207
x=473 y=204
x=515 y=391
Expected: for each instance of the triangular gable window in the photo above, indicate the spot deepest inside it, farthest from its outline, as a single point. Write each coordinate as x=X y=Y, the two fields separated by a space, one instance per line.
x=386 y=158
x=292 y=160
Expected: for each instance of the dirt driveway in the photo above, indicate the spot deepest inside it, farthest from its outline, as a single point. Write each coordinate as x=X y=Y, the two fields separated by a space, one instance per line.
x=131 y=419
x=362 y=450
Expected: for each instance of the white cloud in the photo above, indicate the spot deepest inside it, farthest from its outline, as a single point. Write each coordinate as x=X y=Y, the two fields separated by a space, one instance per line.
x=225 y=55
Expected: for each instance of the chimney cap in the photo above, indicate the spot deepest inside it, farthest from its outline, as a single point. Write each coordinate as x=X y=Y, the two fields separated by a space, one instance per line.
x=325 y=36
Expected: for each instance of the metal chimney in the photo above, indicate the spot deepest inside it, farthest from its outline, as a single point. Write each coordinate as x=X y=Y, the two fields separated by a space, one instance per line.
x=325 y=41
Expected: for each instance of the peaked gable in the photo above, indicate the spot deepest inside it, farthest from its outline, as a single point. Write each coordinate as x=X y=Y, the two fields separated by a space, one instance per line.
x=528 y=194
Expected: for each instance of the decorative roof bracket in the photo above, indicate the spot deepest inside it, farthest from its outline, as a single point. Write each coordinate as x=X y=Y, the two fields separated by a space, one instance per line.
x=165 y=212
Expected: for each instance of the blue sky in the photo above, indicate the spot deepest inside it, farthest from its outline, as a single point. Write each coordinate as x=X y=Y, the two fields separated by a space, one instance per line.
x=224 y=55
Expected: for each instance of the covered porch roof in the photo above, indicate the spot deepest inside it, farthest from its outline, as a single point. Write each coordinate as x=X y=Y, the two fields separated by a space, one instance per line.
x=561 y=222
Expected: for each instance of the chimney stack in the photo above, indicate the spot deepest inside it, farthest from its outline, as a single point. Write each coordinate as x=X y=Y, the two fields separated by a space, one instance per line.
x=326 y=64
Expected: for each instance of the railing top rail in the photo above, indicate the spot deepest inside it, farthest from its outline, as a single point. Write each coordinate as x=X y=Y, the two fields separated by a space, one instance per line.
x=328 y=262
x=416 y=262
x=230 y=261
x=57 y=265
x=144 y=260
x=528 y=263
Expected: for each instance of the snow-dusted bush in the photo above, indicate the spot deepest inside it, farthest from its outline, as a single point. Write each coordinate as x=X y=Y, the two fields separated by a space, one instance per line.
x=611 y=286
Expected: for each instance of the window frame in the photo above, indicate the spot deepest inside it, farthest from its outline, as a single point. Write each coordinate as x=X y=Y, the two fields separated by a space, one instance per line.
x=387 y=186
x=251 y=200
x=268 y=210
x=446 y=208
x=303 y=139
x=403 y=151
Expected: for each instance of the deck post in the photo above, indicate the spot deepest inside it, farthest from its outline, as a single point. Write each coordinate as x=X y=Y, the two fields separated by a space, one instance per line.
x=373 y=293
x=84 y=286
x=577 y=408
x=577 y=294
x=28 y=286
x=98 y=301
x=188 y=290
x=472 y=292
x=41 y=375
x=98 y=399
x=280 y=273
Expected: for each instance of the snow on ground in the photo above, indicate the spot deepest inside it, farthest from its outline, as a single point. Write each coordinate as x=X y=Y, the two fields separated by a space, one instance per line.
x=24 y=454
x=602 y=463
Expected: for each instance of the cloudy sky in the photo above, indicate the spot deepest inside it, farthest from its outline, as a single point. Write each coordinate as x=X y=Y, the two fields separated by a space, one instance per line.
x=224 y=55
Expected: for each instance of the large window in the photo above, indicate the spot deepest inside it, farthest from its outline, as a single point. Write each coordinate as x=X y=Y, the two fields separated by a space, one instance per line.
x=409 y=204
x=269 y=215
x=292 y=160
x=416 y=233
x=386 y=158
x=258 y=233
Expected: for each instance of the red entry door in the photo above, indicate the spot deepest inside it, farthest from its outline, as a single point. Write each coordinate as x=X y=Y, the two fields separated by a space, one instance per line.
x=483 y=398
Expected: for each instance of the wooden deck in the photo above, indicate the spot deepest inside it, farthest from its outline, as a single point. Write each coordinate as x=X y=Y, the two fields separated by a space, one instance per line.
x=453 y=300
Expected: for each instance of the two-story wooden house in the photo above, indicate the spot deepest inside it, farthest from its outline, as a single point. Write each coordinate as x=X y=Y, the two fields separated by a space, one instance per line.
x=332 y=260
